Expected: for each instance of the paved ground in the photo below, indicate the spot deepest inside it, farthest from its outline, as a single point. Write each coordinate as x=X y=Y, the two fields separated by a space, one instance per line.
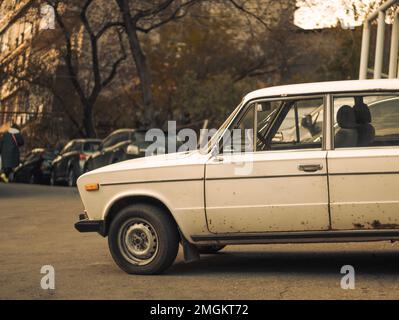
x=36 y=229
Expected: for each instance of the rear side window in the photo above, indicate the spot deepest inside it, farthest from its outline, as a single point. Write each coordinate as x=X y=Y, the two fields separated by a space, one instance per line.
x=366 y=121
x=91 y=146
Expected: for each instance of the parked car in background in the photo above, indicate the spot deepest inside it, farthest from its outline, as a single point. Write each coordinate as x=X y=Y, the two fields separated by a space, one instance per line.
x=35 y=168
x=120 y=145
x=69 y=164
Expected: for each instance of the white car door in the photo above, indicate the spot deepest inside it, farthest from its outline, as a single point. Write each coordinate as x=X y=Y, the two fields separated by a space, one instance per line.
x=281 y=189
x=364 y=178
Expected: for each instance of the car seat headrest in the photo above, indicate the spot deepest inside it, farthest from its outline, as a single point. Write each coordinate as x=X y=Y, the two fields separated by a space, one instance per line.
x=346 y=117
x=362 y=113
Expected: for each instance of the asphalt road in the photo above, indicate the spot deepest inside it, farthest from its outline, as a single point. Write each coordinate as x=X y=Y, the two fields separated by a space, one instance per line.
x=36 y=229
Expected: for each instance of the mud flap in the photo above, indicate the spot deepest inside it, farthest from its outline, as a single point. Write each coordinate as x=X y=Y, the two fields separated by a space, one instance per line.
x=190 y=251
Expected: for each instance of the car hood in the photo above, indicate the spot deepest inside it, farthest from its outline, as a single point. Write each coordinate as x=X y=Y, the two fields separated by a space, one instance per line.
x=187 y=165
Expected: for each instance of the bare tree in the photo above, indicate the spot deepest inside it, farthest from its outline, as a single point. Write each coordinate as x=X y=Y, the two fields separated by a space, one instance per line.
x=88 y=94
x=143 y=17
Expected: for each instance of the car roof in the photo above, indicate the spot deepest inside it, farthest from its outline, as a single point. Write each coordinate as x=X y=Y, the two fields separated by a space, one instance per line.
x=325 y=87
x=38 y=150
x=122 y=130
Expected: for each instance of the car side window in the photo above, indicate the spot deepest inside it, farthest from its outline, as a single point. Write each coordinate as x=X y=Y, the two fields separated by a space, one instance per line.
x=299 y=125
x=123 y=136
x=115 y=139
x=91 y=146
x=242 y=137
x=366 y=121
x=281 y=125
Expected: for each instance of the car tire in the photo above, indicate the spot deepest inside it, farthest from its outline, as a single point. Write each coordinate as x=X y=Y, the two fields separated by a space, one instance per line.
x=71 y=179
x=210 y=249
x=143 y=239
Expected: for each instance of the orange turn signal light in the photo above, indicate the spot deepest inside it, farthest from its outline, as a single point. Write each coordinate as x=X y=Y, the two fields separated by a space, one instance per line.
x=92 y=187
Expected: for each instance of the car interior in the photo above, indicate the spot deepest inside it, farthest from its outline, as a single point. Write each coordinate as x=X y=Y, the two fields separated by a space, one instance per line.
x=299 y=124
x=375 y=122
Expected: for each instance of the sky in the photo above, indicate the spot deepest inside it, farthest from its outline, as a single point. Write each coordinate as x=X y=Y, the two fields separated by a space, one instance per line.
x=314 y=14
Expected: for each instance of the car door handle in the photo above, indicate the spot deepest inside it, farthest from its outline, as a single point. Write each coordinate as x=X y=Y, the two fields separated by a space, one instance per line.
x=218 y=159
x=310 y=167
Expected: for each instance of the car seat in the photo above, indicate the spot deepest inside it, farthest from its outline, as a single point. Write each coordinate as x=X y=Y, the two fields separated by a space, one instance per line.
x=347 y=136
x=366 y=132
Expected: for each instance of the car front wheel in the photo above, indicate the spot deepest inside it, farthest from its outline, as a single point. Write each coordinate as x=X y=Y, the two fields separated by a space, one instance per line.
x=143 y=239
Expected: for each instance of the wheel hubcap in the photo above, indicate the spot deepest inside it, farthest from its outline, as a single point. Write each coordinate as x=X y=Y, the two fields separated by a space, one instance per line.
x=139 y=242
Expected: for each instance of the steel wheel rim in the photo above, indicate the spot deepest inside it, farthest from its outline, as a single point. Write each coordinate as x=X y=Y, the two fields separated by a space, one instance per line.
x=138 y=241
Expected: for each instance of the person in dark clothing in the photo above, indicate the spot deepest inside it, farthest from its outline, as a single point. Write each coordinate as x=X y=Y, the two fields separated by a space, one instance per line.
x=10 y=142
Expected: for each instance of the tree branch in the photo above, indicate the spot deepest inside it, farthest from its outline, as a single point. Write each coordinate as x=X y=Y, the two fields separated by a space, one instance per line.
x=94 y=49
x=116 y=64
x=251 y=14
x=109 y=26
x=174 y=16
x=40 y=84
x=68 y=56
x=153 y=11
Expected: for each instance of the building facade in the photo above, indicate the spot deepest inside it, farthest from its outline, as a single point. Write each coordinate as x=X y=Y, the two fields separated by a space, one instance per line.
x=19 y=24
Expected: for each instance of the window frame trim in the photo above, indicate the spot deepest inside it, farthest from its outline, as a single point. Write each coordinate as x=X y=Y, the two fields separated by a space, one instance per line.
x=349 y=95
x=249 y=103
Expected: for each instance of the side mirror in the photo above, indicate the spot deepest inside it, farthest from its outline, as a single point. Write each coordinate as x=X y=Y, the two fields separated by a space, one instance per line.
x=133 y=150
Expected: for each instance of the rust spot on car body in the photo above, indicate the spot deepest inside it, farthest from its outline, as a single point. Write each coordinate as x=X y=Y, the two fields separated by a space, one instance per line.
x=378 y=225
x=358 y=226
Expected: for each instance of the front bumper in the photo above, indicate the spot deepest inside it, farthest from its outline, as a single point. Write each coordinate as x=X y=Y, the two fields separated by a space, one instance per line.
x=86 y=225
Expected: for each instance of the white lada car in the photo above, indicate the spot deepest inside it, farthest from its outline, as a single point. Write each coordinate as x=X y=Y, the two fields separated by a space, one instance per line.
x=322 y=166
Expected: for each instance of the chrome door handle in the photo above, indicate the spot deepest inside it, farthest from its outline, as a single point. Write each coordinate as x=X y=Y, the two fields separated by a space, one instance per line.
x=310 y=167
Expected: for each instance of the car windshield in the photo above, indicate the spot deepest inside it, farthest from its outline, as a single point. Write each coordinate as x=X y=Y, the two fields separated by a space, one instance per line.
x=221 y=130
